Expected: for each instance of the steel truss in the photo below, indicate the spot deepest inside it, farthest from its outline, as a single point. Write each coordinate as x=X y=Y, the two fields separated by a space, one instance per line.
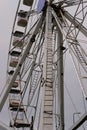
x=35 y=83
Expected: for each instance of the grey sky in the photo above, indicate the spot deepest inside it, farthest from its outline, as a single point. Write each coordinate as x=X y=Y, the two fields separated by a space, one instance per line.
x=7 y=13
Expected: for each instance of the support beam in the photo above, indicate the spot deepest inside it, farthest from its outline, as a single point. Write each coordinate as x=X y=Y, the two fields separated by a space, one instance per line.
x=60 y=73
x=60 y=80
x=76 y=23
x=79 y=122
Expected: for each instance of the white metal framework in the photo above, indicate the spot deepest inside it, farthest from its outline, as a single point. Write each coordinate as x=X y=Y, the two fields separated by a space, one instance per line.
x=41 y=40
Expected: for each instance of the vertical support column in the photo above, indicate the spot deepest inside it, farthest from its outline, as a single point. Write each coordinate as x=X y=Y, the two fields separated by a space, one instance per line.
x=48 y=75
x=60 y=80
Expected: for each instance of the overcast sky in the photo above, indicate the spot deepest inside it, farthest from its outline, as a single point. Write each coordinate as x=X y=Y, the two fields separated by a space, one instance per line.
x=7 y=13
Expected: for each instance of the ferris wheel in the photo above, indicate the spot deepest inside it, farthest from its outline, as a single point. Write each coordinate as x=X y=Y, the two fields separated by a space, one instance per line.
x=44 y=34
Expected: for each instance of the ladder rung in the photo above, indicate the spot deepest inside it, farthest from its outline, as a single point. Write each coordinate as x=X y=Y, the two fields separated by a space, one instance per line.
x=49 y=72
x=49 y=105
x=48 y=90
x=48 y=100
x=50 y=86
x=49 y=68
x=47 y=115
x=47 y=123
x=48 y=63
x=48 y=95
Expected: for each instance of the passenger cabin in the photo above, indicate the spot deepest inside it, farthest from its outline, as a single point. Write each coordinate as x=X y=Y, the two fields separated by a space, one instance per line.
x=15 y=53
x=11 y=72
x=15 y=84
x=15 y=91
x=17 y=42
x=23 y=18
x=13 y=62
x=14 y=103
x=28 y=2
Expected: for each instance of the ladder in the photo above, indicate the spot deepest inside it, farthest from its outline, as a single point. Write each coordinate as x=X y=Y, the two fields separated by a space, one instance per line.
x=48 y=93
x=80 y=56
x=34 y=82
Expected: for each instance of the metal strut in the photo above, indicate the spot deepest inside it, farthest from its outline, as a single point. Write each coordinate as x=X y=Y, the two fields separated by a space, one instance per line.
x=60 y=73
x=75 y=23
x=80 y=56
x=60 y=80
